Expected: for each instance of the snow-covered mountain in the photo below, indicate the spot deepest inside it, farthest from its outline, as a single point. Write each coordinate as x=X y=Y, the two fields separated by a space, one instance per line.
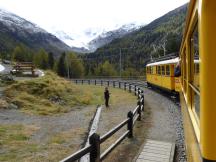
x=15 y=30
x=93 y=38
x=15 y=22
x=107 y=37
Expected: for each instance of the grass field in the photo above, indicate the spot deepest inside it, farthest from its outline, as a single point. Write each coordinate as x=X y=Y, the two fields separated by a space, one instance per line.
x=48 y=96
x=53 y=95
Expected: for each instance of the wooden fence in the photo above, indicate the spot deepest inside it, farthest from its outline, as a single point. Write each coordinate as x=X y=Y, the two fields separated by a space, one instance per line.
x=132 y=116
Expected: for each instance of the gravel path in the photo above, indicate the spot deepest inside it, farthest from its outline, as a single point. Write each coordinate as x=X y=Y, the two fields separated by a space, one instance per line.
x=49 y=125
x=167 y=121
x=162 y=127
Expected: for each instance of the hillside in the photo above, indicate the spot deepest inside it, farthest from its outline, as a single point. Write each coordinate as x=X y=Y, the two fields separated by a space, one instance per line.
x=163 y=35
x=15 y=30
x=48 y=95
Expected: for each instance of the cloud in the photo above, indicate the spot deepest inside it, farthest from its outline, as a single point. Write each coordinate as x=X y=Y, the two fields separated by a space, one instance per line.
x=81 y=14
x=77 y=16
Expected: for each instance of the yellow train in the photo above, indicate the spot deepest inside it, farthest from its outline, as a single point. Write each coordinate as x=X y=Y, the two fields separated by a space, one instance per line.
x=197 y=87
x=198 y=81
x=161 y=74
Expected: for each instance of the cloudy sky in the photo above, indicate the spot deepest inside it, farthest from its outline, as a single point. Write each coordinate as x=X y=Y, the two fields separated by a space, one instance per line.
x=77 y=16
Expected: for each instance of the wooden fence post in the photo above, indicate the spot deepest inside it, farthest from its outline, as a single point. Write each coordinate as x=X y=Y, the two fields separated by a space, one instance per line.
x=130 y=88
x=125 y=86
x=113 y=83
x=139 y=110
x=76 y=81
x=101 y=82
x=130 y=124
x=138 y=93
x=95 y=82
x=108 y=83
x=82 y=81
x=135 y=89
x=94 y=140
x=89 y=82
x=143 y=102
x=119 y=84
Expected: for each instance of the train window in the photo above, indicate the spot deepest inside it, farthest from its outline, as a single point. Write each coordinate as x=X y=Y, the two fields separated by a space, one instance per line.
x=162 y=70
x=159 y=70
x=195 y=50
x=196 y=70
x=197 y=104
x=184 y=72
x=167 y=70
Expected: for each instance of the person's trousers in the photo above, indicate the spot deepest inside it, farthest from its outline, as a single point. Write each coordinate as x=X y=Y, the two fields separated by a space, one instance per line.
x=106 y=102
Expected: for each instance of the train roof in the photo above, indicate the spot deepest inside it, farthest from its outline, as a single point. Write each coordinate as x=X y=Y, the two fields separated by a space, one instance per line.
x=170 y=61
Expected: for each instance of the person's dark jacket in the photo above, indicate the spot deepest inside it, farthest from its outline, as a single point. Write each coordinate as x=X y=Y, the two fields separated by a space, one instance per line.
x=106 y=94
x=177 y=71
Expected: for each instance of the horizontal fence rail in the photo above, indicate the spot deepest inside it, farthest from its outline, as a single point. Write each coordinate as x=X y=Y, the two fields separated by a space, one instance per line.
x=132 y=116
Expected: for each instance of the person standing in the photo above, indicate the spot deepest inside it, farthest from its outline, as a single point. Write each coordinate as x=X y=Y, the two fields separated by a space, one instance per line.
x=106 y=97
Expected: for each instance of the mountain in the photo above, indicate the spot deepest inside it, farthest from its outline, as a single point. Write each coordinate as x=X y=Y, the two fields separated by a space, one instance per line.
x=107 y=37
x=15 y=30
x=93 y=38
x=80 y=50
x=64 y=37
x=161 y=36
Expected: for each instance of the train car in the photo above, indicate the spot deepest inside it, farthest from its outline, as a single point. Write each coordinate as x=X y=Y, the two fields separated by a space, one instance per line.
x=198 y=81
x=161 y=74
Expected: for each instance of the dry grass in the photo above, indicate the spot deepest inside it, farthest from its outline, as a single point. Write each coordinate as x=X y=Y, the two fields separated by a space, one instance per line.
x=50 y=95
x=53 y=95
x=3 y=104
x=14 y=141
x=16 y=145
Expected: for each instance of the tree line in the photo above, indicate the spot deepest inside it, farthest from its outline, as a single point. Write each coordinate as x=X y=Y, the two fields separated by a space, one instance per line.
x=67 y=65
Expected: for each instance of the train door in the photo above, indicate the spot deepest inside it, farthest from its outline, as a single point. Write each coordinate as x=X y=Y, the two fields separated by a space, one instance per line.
x=169 y=79
x=163 y=77
x=158 y=79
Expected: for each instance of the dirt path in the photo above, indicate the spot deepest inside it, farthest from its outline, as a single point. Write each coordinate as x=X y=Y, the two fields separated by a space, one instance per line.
x=49 y=125
x=65 y=132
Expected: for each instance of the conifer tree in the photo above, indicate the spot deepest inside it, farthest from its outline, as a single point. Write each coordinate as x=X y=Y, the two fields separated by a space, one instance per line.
x=61 y=70
x=41 y=59
x=51 y=60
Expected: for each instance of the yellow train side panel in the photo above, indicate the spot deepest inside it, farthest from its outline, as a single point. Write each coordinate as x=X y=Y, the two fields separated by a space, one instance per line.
x=177 y=84
x=167 y=82
x=191 y=143
x=207 y=35
x=157 y=80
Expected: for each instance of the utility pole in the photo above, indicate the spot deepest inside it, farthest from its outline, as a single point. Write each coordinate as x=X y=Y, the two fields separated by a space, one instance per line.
x=120 y=63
